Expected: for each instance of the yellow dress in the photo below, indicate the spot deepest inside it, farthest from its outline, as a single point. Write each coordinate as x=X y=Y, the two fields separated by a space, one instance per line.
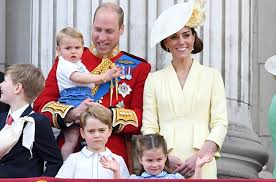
x=189 y=116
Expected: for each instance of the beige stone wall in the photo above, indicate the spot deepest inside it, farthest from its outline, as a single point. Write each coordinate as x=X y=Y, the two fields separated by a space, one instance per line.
x=2 y=34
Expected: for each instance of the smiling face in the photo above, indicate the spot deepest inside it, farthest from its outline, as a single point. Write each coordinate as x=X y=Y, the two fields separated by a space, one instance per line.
x=106 y=31
x=70 y=48
x=8 y=90
x=181 y=43
x=96 y=134
x=153 y=160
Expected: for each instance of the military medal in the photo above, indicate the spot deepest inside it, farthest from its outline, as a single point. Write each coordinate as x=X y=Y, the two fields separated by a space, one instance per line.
x=123 y=76
x=124 y=89
x=128 y=75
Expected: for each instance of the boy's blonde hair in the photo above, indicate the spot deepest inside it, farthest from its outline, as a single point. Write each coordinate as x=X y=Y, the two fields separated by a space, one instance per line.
x=97 y=113
x=30 y=77
x=71 y=32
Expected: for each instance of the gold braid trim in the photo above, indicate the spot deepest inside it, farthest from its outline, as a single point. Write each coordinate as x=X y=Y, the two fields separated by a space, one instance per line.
x=109 y=55
x=55 y=109
x=123 y=117
x=105 y=65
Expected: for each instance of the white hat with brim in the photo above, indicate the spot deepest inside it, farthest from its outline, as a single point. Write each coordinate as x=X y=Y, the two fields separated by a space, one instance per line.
x=270 y=65
x=171 y=21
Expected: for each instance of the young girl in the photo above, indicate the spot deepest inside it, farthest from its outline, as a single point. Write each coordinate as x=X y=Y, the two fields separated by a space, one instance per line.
x=74 y=80
x=96 y=127
x=152 y=153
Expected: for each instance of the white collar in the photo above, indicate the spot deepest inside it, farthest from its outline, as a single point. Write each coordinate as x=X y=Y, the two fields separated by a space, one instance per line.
x=88 y=153
x=16 y=114
x=160 y=175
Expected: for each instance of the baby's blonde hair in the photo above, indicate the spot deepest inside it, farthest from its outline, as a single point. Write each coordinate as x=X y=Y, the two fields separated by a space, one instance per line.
x=71 y=32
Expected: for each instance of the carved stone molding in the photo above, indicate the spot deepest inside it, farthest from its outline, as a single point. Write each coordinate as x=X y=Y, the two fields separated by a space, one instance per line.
x=242 y=155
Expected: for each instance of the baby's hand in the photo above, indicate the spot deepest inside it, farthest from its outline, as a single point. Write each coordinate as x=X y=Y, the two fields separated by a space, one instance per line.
x=110 y=164
x=115 y=71
x=208 y=157
x=112 y=73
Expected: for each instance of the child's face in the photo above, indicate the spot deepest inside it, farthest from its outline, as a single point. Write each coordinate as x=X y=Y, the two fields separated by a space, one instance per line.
x=95 y=134
x=70 y=49
x=8 y=90
x=153 y=161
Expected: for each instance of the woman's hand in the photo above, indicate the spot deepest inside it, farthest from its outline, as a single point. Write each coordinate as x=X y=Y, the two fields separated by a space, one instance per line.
x=187 y=168
x=174 y=162
x=208 y=157
x=208 y=147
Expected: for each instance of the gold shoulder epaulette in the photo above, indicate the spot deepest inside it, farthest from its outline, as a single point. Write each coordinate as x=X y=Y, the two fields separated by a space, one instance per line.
x=56 y=108
x=123 y=117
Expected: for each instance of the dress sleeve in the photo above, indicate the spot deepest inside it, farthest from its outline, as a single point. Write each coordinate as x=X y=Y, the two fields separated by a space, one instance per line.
x=150 y=116
x=218 y=120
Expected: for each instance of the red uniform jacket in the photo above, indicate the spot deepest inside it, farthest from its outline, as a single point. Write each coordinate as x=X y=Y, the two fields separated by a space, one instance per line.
x=132 y=101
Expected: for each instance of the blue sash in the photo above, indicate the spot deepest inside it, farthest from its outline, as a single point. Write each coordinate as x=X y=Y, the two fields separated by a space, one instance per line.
x=125 y=61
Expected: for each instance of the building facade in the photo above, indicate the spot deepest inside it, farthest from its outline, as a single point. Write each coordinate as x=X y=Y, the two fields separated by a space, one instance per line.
x=238 y=37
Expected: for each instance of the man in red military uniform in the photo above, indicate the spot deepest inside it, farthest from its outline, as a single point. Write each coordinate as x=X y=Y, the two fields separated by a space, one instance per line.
x=123 y=96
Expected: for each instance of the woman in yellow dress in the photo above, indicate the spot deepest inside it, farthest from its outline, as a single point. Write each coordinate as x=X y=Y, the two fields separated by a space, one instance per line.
x=185 y=102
